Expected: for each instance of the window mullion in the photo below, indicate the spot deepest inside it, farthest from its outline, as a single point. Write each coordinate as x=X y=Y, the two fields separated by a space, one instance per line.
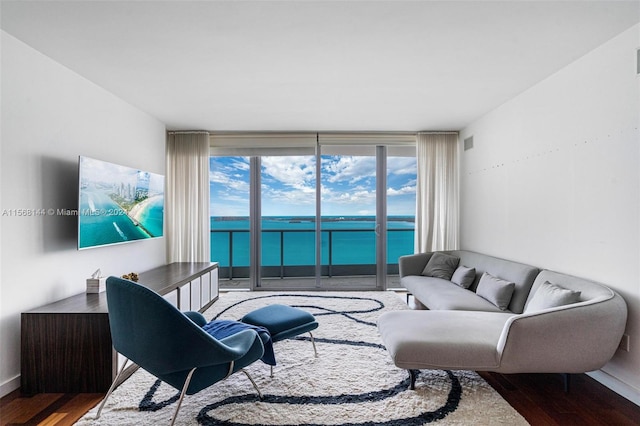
x=255 y=262
x=381 y=217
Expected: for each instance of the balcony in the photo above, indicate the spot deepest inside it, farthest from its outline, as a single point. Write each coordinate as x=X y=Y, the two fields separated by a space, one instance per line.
x=289 y=255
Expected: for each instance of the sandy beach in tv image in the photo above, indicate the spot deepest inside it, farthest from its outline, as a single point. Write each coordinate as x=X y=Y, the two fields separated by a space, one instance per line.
x=148 y=214
x=118 y=204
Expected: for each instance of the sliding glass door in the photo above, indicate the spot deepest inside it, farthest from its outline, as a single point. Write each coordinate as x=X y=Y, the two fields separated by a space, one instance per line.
x=401 y=207
x=229 y=184
x=348 y=217
x=287 y=222
x=333 y=217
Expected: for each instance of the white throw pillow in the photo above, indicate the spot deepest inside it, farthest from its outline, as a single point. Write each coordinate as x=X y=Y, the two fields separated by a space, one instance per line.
x=550 y=295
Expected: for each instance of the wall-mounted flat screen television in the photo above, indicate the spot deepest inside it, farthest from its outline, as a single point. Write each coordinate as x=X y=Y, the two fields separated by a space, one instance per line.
x=118 y=204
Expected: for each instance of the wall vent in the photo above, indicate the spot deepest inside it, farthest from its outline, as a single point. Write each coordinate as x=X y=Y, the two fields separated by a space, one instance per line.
x=468 y=143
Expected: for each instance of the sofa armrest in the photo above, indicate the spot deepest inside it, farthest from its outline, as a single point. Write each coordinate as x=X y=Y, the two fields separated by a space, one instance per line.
x=569 y=339
x=413 y=264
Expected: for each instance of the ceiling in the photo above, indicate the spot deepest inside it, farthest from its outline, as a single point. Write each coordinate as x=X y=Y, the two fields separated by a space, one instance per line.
x=316 y=66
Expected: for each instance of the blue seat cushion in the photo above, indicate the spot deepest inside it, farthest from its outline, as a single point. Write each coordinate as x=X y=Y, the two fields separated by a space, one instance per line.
x=282 y=321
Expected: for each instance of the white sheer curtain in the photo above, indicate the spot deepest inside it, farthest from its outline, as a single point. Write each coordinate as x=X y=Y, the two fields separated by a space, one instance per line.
x=187 y=197
x=437 y=192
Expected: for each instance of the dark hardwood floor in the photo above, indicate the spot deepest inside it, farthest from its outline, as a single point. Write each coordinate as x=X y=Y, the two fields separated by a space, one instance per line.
x=540 y=398
x=60 y=409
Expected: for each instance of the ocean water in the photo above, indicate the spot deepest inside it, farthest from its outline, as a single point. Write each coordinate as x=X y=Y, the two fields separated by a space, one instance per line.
x=345 y=240
x=152 y=216
x=103 y=222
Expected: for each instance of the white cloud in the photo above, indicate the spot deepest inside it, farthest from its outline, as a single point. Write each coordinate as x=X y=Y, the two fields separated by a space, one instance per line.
x=228 y=183
x=289 y=196
x=293 y=171
x=229 y=178
x=405 y=190
x=348 y=169
x=356 y=196
x=401 y=165
x=366 y=212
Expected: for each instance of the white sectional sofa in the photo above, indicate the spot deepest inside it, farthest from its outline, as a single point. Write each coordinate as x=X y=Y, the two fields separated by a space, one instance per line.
x=552 y=323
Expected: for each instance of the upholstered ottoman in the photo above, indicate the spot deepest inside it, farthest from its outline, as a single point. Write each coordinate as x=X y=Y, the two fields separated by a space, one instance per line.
x=283 y=322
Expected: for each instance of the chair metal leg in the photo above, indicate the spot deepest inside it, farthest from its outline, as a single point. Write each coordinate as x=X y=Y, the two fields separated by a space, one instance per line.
x=248 y=376
x=230 y=372
x=315 y=351
x=313 y=342
x=252 y=382
x=182 y=393
x=113 y=386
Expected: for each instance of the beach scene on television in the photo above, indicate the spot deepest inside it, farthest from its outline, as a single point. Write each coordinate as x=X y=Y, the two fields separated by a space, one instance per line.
x=118 y=204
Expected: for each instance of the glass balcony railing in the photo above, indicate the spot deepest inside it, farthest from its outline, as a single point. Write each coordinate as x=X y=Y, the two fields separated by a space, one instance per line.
x=291 y=252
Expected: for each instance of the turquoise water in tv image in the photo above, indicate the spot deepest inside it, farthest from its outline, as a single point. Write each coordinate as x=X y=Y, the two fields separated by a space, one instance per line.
x=352 y=240
x=102 y=221
x=151 y=216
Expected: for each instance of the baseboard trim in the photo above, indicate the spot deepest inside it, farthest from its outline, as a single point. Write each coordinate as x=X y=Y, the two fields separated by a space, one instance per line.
x=9 y=386
x=619 y=387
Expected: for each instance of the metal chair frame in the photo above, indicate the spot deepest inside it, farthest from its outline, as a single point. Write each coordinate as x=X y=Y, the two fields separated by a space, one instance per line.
x=182 y=392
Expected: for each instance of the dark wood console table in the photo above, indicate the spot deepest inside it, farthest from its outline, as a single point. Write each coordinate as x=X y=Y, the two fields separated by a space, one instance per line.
x=66 y=345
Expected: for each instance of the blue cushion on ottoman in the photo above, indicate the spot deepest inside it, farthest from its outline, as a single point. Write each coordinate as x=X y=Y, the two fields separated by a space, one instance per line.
x=282 y=321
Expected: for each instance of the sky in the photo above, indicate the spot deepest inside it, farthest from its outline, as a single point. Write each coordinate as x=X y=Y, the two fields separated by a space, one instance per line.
x=102 y=172
x=289 y=185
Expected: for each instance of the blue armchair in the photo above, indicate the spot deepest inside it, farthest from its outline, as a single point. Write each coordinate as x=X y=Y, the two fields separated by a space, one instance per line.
x=170 y=344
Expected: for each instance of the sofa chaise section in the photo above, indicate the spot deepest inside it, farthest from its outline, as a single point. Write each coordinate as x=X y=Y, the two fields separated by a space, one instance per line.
x=573 y=338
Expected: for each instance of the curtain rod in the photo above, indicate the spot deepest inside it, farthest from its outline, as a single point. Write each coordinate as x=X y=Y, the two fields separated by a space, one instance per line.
x=238 y=132
x=438 y=133
x=188 y=132
x=302 y=132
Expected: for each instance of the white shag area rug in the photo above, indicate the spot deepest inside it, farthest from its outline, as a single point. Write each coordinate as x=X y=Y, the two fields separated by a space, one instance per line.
x=352 y=381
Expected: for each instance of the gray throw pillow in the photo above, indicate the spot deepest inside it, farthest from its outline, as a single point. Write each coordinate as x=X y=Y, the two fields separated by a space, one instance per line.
x=495 y=290
x=441 y=265
x=464 y=276
x=550 y=295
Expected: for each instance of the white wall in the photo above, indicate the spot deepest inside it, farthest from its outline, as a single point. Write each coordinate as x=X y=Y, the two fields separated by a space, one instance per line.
x=50 y=116
x=553 y=180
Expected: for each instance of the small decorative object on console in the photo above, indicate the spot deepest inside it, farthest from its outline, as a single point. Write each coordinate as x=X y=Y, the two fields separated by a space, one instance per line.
x=131 y=276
